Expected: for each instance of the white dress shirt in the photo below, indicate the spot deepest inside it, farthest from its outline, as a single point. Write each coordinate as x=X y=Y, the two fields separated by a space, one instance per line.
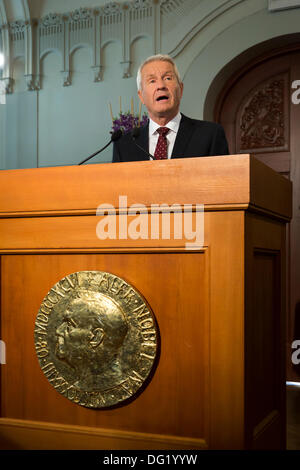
x=171 y=136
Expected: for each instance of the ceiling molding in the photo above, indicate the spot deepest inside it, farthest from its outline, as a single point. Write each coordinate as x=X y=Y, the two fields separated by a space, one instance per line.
x=211 y=16
x=277 y=5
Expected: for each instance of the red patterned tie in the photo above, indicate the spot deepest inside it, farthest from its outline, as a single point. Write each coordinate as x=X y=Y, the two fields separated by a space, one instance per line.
x=161 y=150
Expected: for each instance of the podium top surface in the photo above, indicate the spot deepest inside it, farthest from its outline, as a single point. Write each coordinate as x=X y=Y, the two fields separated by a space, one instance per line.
x=220 y=183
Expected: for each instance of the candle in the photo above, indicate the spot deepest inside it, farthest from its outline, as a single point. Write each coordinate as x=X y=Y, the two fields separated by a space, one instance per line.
x=111 y=113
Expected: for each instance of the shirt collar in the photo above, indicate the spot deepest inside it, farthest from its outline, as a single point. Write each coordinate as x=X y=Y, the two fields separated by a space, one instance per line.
x=173 y=125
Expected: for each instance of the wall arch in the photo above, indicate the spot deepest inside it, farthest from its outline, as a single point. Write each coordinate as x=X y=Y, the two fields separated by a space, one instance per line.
x=238 y=39
x=240 y=65
x=141 y=47
x=139 y=36
x=109 y=42
x=80 y=46
x=18 y=69
x=17 y=10
x=111 y=56
x=51 y=63
x=50 y=51
x=255 y=102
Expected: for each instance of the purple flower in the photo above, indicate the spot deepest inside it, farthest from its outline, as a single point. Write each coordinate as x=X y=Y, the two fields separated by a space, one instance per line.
x=126 y=122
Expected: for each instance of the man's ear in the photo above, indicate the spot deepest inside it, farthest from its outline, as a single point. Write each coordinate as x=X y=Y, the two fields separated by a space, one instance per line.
x=141 y=96
x=97 y=337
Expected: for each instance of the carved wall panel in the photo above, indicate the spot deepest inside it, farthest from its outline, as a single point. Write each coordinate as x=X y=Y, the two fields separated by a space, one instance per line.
x=262 y=123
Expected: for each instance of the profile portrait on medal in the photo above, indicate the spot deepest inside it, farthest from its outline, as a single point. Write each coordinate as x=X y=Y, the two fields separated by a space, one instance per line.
x=89 y=339
x=96 y=339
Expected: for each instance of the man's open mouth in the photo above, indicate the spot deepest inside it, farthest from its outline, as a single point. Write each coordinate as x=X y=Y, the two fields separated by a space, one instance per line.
x=162 y=98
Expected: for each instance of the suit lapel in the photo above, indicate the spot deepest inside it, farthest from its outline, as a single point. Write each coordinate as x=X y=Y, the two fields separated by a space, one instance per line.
x=143 y=141
x=183 y=137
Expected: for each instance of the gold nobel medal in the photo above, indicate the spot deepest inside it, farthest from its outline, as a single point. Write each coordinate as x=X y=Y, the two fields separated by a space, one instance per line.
x=96 y=339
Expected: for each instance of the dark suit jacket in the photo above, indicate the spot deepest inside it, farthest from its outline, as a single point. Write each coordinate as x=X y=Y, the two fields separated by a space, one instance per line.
x=194 y=139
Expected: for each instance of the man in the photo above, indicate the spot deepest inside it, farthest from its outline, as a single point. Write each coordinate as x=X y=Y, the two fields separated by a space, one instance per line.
x=169 y=133
x=89 y=340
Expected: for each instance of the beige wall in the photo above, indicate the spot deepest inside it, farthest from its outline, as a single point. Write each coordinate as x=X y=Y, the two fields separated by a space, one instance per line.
x=66 y=123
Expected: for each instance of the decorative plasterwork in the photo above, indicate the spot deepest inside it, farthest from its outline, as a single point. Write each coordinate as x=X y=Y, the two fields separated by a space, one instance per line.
x=51 y=20
x=8 y=84
x=17 y=27
x=94 y=28
x=81 y=14
x=111 y=9
x=167 y=6
x=84 y=27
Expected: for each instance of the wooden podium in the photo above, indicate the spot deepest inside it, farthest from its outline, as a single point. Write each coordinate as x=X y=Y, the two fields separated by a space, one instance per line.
x=220 y=379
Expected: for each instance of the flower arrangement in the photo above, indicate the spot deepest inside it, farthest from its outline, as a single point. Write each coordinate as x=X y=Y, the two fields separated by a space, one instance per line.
x=126 y=121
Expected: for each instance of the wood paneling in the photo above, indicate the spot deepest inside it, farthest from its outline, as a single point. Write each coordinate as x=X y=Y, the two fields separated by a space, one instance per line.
x=262 y=179
x=21 y=434
x=78 y=190
x=257 y=104
x=25 y=234
x=209 y=303
x=27 y=394
x=226 y=242
x=265 y=332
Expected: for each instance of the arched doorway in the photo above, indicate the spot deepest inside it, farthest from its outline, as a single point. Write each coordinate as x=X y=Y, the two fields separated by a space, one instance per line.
x=258 y=114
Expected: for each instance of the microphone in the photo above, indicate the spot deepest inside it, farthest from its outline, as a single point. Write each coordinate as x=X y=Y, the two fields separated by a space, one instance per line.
x=115 y=136
x=135 y=134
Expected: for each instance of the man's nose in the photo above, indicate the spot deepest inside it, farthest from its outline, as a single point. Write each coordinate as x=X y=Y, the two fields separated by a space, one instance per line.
x=161 y=84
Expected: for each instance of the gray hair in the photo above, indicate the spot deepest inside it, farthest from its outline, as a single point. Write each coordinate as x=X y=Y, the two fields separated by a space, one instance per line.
x=163 y=58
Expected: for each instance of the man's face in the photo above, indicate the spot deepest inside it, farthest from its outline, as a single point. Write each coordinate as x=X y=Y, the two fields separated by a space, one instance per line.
x=73 y=336
x=160 y=91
